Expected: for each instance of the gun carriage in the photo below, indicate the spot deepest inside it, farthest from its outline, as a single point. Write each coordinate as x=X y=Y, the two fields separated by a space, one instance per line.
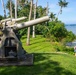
x=11 y=50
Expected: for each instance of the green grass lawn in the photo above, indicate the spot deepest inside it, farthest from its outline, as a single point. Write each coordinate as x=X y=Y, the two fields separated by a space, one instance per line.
x=45 y=61
x=38 y=45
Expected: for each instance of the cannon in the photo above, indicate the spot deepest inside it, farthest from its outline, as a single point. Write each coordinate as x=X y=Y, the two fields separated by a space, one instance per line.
x=11 y=50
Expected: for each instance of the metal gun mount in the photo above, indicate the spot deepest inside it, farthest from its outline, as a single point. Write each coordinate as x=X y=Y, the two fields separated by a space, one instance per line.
x=11 y=50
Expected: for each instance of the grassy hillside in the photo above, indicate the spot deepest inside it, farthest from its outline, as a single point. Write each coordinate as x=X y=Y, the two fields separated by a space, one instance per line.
x=45 y=61
x=38 y=45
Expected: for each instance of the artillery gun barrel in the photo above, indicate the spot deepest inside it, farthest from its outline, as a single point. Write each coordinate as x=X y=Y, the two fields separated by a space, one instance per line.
x=9 y=20
x=19 y=19
x=31 y=23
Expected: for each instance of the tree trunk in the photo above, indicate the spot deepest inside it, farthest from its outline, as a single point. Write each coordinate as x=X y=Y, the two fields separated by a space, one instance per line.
x=15 y=8
x=11 y=8
x=59 y=12
x=47 y=9
x=35 y=6
x=28 y=33
x=3 y=8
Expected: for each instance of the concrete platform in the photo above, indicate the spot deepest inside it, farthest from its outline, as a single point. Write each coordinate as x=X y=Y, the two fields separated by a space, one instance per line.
x=27 y=60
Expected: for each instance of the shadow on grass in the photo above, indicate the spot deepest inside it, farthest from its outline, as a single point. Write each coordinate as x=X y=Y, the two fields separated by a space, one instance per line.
x=43 y=65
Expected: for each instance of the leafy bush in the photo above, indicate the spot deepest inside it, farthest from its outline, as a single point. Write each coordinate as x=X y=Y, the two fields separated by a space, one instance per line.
x=69 y=50
x=54 y=29
x=1 y=17
x=59 y=47
x=70 y=36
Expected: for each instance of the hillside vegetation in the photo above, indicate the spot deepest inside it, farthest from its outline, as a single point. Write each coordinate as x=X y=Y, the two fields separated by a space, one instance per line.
x=47 y=61
x=51 y=56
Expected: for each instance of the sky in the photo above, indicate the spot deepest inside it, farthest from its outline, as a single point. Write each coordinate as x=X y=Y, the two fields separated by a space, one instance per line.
x=68 y=15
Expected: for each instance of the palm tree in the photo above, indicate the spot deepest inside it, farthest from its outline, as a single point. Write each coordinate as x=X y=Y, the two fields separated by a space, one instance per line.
x=10 y=7
x=3 y=8
x=52 y=16
x=41 y=11
x=62 y=3
x=30 y=15
x=15 y=8
x=47 y=9
x=35 y=6
x=22 y=2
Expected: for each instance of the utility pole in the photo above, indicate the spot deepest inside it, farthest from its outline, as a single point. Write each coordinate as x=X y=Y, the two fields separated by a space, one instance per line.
x=3 y=8
x=15 y=9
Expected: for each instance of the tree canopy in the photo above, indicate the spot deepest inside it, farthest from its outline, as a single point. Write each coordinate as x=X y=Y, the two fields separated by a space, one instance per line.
x=54 y=30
